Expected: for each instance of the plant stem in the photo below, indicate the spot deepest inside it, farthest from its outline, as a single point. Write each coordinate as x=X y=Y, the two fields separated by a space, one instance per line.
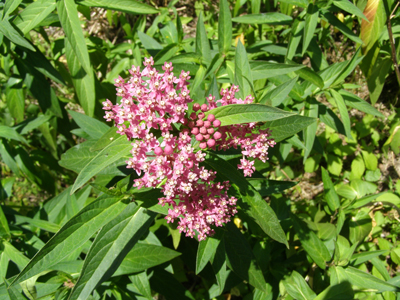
x=391 y=39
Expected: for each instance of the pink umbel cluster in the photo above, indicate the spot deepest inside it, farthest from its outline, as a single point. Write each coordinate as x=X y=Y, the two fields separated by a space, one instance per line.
x=168 y=147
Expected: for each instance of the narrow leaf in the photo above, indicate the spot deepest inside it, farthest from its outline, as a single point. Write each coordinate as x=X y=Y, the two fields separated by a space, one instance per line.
x=272 y=18
x=205 y=252
x=262 y=70
x=367 y=281
x=128 y=6
x=202 y=43
x=331 y=196
x=243 y=76
x=224 y=27
x=13 y=35
x=279 y=94
x=297 y=287
x=343 y=112
x=34 y=14
x=311 y=22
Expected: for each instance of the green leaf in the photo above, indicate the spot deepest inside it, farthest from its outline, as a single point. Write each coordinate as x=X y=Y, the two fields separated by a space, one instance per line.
x=311 y=22
x=310 y=76
x=128 y=6
x=84 y=82
x=376 y=80
x=311 y=243
x=4 y=229
x=367 y=281
x=110 y=247
x=258 y=208
x=219 y=266
x=72 y=26
x=268 y=187
x=106 y=139
x=202 y=43
x=16 y=102
x=371 y=31
x=350 y=8
x=94 y=128
x=371 y=161
x=297 y=287
x=33 y=15
x=333 y=20
x=144 y=256
x=73 y=235
x=141 y=284
x=330 y=194
x=110 y=154
x=295 y=38
x=12 y=134
x=272 y=18
x=343 y=112
x=31 y=124
x=13 y=292
x=205 y=252
x=224 y=28
x=241 y=258
x=243 y=76
x=15 y=255
x=9 y=7
x=356 y=102
x=167 y=285
x=311 y=110
x=279 y=94
x=359 y=226
x=341 y=291
x=286 y=127
x=45 y=225
x=13 y=35
x=263 y=69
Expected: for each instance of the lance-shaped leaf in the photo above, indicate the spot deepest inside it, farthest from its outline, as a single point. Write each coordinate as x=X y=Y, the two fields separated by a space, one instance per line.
x=94 y=128
x=129 y=6
x=356 y=102
x=371 y=30
x=205 y=252
x=243 y=76
x=257 y=207
x=202 y=44
x=263 y=69
x=311 y=110
x=331 y=197
x=110 y=154
x=279 y=94
x=343 y=112
x=367 y=281
x=110 y=247
x=310 y=25
x=272 y=18
x=13 y=35
x=224 y=27
x=73 y=235
x=297 y=287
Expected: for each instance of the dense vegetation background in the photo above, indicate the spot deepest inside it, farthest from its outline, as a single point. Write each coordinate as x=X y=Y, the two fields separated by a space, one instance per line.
x=319 y=220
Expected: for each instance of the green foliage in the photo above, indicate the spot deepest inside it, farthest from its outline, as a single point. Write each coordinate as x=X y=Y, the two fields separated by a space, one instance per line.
x=319 y=220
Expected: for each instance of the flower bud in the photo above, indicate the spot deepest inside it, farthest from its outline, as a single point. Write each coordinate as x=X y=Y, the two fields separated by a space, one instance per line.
x=217 y=123
x=168 y=150
x=211 y=117
x=206 y=136
x=199 y=137
x=203 y=130
x=217 y=135
x=193 y=116
x=199 y=123
x=207 y=124
x=211 y=143
x=191 y=124
x=210 y=130
x=203 y=145
x=158 y=151
x=201 y=115
x=195 y=130
x=196 y=107
x=204 y=107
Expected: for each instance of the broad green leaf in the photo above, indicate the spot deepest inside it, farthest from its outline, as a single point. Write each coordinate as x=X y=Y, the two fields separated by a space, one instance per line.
x=341 y=291
x=310 y=76
x=141 y=284
x=84 y=82
x=371 y=31
x=4 y=229
x=241 y=258
x=311 y=243
x=376 y=80
x=263 y=69
x=9 y=7
x=110 y=247
x=12 y=134
x=330 y=194
x=170 y=33
x=258 y=208
x=16 y=102
x=34 y=14
x=224 y=28
x=15 y=255
x=295 y=38
x=297 y=287
x=144 y=256
x=106 y=139
x=202 y=43
x=356 y=102
x=268 y=187
x=311 y=22
x=72 y=26
x=31 y=124
x=110 y=154
x=166 y=53
x=91 y=126
x=359 y=226
x=311 y=110
x=333 y=20
x=38 y=61
x=128 y=6
x=215 y=64
x=272 y=18
x=367 y=281
x=243 y=76
x=150 y=44
x=286 y=127
x=13 y=293
x=73 y=235
x=13 y=35
x=276 y=96
x=219 y=266
x=205 y=252
x=351 y=64
x=343 y=112
x=350 y=8
x=78 y=156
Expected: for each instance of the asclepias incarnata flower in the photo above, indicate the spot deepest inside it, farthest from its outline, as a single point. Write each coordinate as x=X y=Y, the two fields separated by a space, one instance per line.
x=168 y=145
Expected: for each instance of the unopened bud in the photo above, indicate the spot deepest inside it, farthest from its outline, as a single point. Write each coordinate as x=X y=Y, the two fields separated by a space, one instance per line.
x=203 y=145
x=210 y=117
x=195 y=130
x=199 y=137
x=217 y=123
x=211 y=143
x=196 y=107
x=204 y=107
x=217 y=135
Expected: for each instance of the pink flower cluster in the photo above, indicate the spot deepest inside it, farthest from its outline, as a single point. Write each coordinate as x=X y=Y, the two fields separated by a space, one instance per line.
x=167 y=146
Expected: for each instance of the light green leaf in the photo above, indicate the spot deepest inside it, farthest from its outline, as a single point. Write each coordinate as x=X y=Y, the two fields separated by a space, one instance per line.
x=45 y=225
x=356 y=102
x=367 y=281
x=33 y=14
x=73 y=235
x=224 y=28
x=331 y=196
x=16 y=102
x=144 y=256
x=110 y=154
x=311 y=76
x=205 y=252
x=276 y=96
x=202 y=43
x=9 y=7
x=343 y=112
x=311 y=110
x=333 y=20
x=268 y=187
x=141 y=284
x=295 y=38
x=128 y=6
x=91 y=126
x=243 y=76
x=349 y=7
x=311 y=22
x=272 y=18
x=263 y=69
x=4 y=229
x=341 y=291
x=13 y=35
x=12 y=134
x=297 y=287
x=110 y=247
x=359 y=226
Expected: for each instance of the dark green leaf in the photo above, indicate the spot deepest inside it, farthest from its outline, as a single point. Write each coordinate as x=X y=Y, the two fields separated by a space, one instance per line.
x=110 y=247
x=331 y=196
x=311 y=110
x=343 y=112
x=297 y=287
x=94 y=128
x=295 y=38
x=4 y=229
x=333 y=20
x=350 y=8
x=205 y=252
x=367 y=281
x=73 y=235
x=129 y=6
x=11 y=133
x=341 y=291
x=219 y=266
x=272 y=18
x=356 y=102
x=13 y=35
x=224 y=27
x=16 y=102
x=141 y=284
x=202 y=44
x=359 y=226
x=362 y=257
x=310 y=76
x=268 y=187
x=13 y=292
x=9 y=7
